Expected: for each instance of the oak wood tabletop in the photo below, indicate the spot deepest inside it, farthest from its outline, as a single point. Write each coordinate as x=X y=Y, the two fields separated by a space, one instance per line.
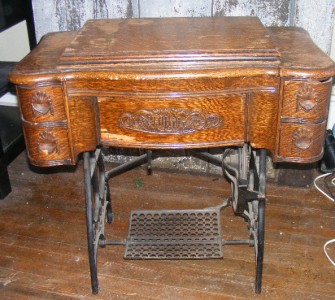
x=175 y=83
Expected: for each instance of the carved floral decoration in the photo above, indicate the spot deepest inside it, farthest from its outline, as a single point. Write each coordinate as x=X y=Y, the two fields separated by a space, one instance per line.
x=303 y=138
x=307 y=98
x=41 y=103
x=47 y=143
x=169 y=120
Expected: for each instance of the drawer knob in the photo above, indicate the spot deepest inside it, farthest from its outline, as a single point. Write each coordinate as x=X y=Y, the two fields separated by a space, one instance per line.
x=41 y=103
x=47 y=143
x=303 y=138
x=307 y=98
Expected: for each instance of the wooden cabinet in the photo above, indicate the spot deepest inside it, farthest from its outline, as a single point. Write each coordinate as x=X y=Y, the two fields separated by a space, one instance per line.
x=174 y=83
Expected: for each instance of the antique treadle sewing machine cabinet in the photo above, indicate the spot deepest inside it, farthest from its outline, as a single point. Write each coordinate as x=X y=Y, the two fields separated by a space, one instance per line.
x=176 y=83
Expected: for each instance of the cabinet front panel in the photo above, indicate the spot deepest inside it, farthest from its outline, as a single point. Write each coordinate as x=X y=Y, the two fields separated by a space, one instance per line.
x=177 y=83
x=172 y=121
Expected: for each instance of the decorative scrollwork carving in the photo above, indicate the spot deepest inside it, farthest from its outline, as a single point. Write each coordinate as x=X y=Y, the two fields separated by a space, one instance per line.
x=41 y=103
x=169 y=120
x=307 y=98
x=47 y=143
x=303 y=138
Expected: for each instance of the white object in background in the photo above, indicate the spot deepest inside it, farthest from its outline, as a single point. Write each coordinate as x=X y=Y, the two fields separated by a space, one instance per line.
x=8 y=99
x=14 y=45
x=331 y=115
x=14 y=42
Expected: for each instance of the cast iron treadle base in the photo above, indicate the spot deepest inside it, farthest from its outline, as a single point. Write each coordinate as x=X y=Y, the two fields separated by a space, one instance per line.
x=174 y=234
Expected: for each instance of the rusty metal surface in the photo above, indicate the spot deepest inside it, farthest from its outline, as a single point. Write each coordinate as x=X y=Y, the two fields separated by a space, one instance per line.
x=174 y=234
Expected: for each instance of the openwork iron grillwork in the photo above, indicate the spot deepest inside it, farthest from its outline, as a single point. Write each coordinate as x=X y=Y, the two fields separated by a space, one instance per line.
x=178 y=234
x=174 y=234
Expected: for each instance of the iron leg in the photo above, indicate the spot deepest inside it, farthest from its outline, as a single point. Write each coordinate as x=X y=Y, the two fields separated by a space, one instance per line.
x=149 y=158
x=109 y=206
x=89 y=224
x=260 y=222
x=260 y=246
x=248 y=199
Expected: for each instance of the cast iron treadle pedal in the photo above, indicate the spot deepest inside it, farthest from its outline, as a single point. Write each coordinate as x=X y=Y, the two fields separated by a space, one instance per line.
x=174 y=234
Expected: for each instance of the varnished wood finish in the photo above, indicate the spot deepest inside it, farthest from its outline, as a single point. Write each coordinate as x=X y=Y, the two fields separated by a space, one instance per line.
x=295 y=139
x=175 y=83
x=310 y=100
x=44 y=252
x=168 y=39
x=300 y=57
x=83 y=119
x=45 y=104
x=161 y=121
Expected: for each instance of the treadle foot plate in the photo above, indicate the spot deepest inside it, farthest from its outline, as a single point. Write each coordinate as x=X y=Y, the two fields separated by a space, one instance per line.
x=174 y=234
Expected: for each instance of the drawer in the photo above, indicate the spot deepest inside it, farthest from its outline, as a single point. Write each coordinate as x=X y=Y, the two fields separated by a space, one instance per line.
x=151 y=121
x=301 y=143
x=306 y=99
x=42 y=103
x=47 y=146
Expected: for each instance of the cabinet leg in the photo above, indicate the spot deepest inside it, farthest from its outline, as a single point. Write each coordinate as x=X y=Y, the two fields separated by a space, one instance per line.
x=248 y=199
x=260 y=246
x=260 y=221
x=89 y=224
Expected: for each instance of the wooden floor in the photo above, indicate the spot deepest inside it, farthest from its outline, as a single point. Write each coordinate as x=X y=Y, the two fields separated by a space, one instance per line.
x=43 y=252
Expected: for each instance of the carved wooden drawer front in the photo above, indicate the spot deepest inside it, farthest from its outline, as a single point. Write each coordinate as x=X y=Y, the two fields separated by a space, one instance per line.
x=47 y=146
x=306 y=99
x=303 y=120
x=172 y=121
x=303 y=142
x=42 y=103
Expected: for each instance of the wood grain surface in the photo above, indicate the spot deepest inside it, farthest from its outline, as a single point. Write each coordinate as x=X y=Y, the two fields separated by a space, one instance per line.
x=169 y=39
x=152 y=121
x=266 y=86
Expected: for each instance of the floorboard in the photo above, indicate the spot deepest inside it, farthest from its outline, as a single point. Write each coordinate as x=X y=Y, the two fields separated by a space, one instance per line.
x=43 y=250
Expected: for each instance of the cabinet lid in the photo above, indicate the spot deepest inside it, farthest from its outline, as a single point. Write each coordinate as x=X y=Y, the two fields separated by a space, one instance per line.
x=188 y=40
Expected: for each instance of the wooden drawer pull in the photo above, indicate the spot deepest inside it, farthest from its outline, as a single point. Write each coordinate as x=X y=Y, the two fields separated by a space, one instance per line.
x=307 y=98
x=303 y=138
x=41 y=103
x=47 y=143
